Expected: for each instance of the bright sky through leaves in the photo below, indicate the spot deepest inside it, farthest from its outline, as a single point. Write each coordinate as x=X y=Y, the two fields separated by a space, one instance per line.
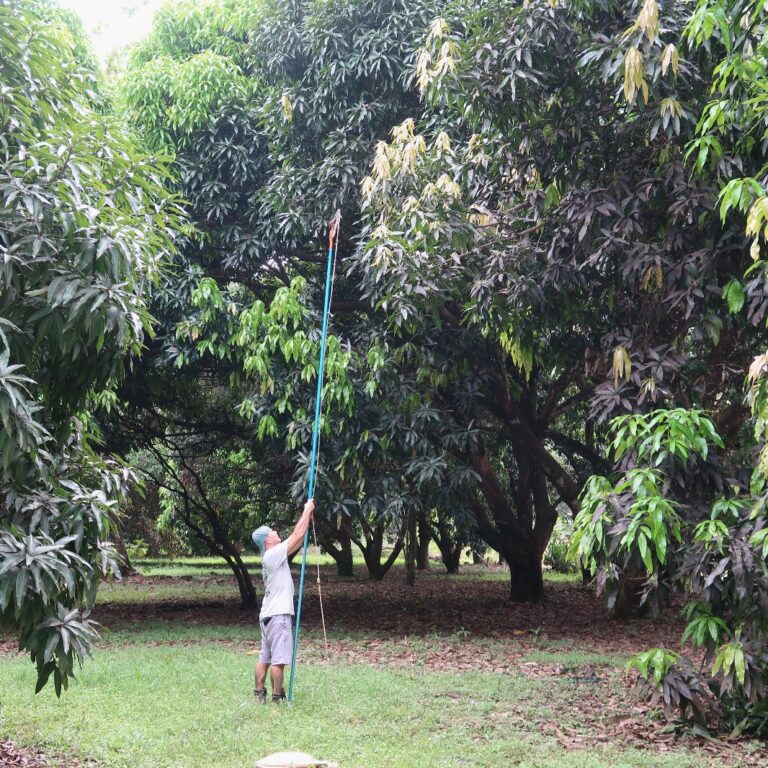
x=111 y=24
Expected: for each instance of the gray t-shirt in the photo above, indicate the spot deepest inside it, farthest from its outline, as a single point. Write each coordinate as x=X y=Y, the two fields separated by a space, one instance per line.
x=278 y=583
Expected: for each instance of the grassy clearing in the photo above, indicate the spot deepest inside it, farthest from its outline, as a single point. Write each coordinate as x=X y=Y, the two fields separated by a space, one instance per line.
x=184 y=567
x=177 y=694
x=142 y=706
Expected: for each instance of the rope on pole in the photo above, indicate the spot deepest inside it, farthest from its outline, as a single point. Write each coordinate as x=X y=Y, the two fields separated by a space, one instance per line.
x=332 y=240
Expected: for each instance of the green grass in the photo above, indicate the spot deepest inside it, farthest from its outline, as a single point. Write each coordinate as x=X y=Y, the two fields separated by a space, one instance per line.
x=140 y=706
x=189 y=591
x=181 y=567
x=201 y=567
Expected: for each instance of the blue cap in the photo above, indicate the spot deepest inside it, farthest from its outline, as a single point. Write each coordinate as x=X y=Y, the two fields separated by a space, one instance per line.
x=259 y=537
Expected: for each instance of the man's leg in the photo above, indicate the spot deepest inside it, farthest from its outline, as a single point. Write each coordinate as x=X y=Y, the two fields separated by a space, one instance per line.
x=265 y=659
x=277 y=681
x=282 y=653
x=261 y=675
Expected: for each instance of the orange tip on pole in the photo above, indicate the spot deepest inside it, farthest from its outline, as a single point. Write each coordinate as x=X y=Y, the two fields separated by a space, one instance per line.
x=333 y=228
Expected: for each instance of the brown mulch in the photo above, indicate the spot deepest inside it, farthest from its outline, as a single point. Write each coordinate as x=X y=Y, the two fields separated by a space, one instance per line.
x=12 y=756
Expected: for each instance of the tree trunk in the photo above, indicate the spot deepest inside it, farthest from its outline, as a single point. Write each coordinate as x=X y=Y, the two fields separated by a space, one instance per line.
x=452 y=559
x=337 y=542
x=519 y=527
x=218 y=541
x=345 y=563
x=527 y=578
x=628 y=601
x=450 y=547
x=422 y=555
x=125 y=566
x=372 y=546
x=244 y=582
x=411 y=550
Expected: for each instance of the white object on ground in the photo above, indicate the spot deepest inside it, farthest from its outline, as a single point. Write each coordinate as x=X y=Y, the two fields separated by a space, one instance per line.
x=293 y=760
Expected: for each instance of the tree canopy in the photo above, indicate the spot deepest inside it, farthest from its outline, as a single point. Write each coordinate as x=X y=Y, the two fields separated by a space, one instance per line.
x=527 y=253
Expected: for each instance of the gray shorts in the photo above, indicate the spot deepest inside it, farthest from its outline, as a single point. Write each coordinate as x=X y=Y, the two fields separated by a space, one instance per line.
x=276 y=640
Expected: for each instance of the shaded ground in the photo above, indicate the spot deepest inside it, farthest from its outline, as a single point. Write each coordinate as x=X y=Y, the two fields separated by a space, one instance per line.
x=436 y=605
x=450 y=624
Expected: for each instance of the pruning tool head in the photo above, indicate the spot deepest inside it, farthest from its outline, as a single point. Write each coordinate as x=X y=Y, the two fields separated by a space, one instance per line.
x=333 y=230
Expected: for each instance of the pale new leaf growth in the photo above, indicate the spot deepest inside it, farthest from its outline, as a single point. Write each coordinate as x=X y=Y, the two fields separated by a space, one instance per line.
x=634 y=75
x=382 y=231
x=756 y=219
x=758 y=367
x=413 y=150
x=481 y=219
x=442 y=144
x=382 y=170
x=648 y=20
x=438 y=29
x=622 y=365
x=287 y=108
x=404 y=132
x=411 y=204
x=670 y=57
x=367 y=188
x=382 y=256
x=423 y=72
x=448 y=186
x=446 y=62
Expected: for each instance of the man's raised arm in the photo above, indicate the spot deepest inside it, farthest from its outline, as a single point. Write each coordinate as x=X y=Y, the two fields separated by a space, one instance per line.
x=296 y=539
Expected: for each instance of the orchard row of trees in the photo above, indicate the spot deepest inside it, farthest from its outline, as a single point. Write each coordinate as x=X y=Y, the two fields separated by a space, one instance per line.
x=549 y=288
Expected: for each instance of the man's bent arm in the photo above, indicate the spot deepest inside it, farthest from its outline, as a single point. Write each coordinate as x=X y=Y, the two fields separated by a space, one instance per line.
x=296 y=539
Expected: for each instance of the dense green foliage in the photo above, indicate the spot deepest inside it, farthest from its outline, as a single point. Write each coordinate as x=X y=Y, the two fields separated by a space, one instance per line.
x=83 y=233
x=687 y=511
x=539 y=246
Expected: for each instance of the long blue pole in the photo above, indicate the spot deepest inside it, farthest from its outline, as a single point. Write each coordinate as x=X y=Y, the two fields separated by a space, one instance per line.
x=315 y=441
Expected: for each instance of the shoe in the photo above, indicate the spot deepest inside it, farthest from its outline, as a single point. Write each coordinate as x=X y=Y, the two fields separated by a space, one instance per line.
x=260 y=694
x=278 y=697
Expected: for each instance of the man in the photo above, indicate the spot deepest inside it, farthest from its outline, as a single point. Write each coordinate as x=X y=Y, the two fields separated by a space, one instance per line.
x=277 y=607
